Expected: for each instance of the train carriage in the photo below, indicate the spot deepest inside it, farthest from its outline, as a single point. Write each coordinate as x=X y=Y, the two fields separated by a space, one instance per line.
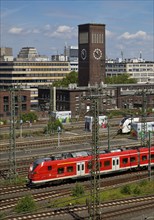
x=79 y=164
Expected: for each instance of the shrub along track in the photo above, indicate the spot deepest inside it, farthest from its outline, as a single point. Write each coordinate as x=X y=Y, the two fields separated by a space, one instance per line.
x=11 y=195
x=113 y=210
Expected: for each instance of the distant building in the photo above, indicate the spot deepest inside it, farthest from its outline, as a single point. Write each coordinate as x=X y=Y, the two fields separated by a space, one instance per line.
x=143 y=72
x=116 y=96
x=71 y=52
x=22 y=102
x=59 y=58
x=6 y=54
x=30 y=54
x=30 y=74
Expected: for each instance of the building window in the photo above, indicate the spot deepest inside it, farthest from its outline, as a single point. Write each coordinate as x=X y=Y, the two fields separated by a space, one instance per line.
x=24 y=98
x=24 y=107
x=6 y=99
x=6 y=108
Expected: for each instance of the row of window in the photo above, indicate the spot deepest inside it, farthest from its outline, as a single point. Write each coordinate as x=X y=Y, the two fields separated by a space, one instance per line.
x=42 y=69
x=107 y=163
x=42 y=64
x=17 y=99
x=6 y=108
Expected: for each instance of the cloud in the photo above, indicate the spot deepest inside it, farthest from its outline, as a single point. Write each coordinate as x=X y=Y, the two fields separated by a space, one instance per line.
x=15 y=30
x=138 y=35
x=109 y=34
x=21 y=31
x=62 y=31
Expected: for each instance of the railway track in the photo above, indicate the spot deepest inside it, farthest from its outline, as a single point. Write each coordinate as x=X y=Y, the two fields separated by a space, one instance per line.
x=51 y=141
x=11 y=195
x=113 y=210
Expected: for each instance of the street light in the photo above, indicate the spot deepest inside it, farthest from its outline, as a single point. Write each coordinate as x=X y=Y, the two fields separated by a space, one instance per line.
x=21 y=122
x=58 y=131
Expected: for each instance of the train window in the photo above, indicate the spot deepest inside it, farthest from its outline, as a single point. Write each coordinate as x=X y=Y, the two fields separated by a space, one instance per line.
x=107 y=163
x=82 y=167
x=70 y=169
x=132 y=159
x=144 y=157
x=49 y=167
x=152 y=156
x=60 y=170
x=89 y=165
x=113 y=162
x=125 y=160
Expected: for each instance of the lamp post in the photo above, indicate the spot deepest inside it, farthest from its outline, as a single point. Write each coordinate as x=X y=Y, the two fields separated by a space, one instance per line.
x=21 y=122
x=58 y=131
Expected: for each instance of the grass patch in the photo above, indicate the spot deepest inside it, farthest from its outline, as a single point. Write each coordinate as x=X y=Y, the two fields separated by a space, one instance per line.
x=129 y=190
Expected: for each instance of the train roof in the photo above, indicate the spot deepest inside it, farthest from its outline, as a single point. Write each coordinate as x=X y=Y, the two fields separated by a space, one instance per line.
x=77 y=154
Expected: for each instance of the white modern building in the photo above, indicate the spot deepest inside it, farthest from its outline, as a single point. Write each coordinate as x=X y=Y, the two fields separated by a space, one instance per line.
x=142 y=71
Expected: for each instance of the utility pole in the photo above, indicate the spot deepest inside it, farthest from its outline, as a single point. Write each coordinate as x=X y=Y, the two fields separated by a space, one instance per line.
x=12 y=148
x=144 y=119
x=95 y=172
x=50 y=110
x=149 y=153
x=94 y=203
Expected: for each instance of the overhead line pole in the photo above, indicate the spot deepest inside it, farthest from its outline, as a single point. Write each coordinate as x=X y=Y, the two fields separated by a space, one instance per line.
x=94 y=203
x=12 y=148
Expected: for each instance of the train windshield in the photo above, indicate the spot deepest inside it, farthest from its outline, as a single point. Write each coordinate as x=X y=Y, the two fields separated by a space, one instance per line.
x=39 y=161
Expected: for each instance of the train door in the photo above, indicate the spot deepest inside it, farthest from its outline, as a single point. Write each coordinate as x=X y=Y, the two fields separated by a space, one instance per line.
x=80 y=168
x=115 y=163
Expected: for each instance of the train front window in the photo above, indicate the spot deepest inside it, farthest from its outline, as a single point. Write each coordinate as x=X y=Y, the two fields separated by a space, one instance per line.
x=34 y=166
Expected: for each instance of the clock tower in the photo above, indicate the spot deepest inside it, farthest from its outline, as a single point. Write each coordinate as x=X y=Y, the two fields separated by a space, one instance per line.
x=91 y=40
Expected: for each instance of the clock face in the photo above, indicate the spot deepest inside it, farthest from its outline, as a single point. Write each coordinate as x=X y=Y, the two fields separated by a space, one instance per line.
x=83 y=54
x=97 y=54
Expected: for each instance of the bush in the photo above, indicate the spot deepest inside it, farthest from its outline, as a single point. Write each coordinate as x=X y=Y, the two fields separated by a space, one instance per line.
x=53 y=126
x=78 y=190
x=137 y=190
x=31 y=117
x=126 y=190
x=26 y=204
x=143 y=183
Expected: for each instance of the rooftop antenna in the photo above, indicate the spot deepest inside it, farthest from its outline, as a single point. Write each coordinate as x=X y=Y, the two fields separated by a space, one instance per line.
x=140 y=54
x=122 y=55
x=65 y=51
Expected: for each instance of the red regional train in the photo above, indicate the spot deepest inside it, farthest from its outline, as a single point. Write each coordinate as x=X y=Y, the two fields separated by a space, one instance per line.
x=77 y=165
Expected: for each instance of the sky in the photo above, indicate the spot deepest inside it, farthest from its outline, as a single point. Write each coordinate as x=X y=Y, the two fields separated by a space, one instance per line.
x=49 y=25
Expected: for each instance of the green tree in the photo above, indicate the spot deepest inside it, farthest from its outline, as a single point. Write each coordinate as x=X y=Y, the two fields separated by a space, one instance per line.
x=120 y=79
x=26 y=204
x=72 y=77
x=53 y=126
x=29 y=117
